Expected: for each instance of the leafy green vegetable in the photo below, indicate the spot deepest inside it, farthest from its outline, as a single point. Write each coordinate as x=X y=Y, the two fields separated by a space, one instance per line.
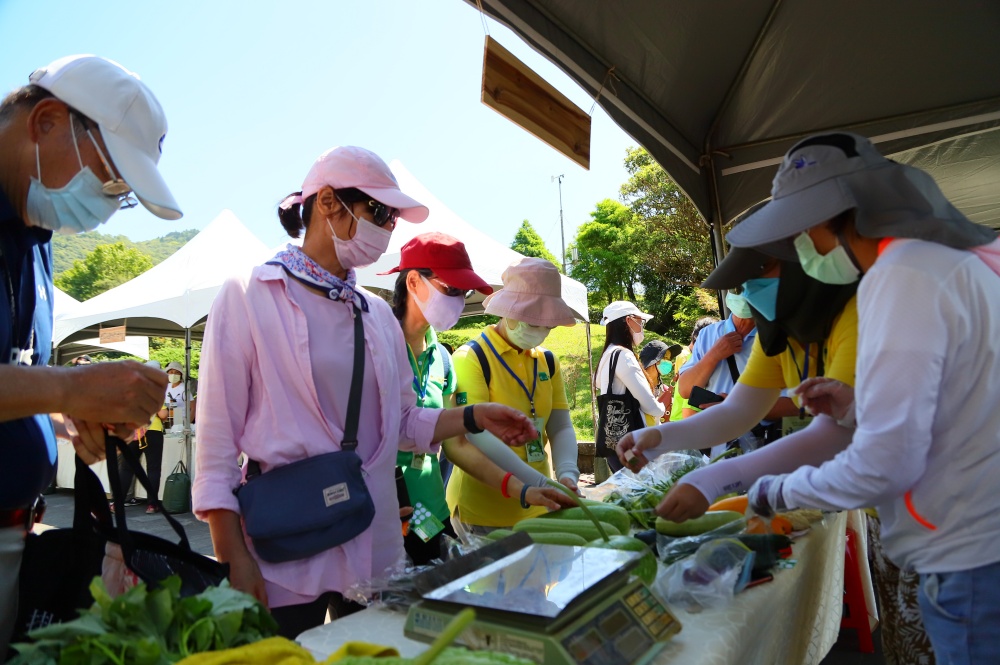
x=640 y=502
x=149 y=627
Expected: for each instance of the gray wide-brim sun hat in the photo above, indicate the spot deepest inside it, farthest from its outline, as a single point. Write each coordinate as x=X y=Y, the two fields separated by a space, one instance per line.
x=827 y=174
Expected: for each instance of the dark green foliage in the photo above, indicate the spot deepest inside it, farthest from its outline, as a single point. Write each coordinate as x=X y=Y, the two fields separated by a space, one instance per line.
x=529 y=243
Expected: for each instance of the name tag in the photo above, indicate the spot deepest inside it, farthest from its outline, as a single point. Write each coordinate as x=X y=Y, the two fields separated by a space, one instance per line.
x=335 y=494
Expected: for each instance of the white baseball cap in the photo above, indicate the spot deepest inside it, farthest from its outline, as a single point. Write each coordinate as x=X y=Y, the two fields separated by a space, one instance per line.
x=622 y=308
x=132 y=122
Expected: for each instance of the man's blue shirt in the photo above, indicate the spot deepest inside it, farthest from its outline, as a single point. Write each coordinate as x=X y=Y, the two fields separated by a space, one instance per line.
x=27 y=445
x=721 y=380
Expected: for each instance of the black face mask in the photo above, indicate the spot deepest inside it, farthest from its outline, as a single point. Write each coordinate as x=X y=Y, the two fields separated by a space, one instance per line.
x=805 y=310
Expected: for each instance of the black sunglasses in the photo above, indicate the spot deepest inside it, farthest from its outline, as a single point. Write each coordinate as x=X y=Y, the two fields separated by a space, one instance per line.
x=383 y=214
x=451 y=291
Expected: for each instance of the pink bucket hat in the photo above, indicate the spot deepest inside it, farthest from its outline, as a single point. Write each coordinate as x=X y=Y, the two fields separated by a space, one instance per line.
x=349 y=166
x=532 y=292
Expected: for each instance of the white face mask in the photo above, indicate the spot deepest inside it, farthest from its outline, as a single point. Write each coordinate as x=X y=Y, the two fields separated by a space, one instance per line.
x=440 y=310
x=525 y=336
x=637 y=337
x=365 y=248
x=174 y=379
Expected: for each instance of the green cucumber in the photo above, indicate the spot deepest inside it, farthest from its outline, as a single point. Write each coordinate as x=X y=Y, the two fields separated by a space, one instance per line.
x=613 y=515
x=583 y=529
x=498 y=534
x=581 y=504
x=711 y=520
x=646 y=569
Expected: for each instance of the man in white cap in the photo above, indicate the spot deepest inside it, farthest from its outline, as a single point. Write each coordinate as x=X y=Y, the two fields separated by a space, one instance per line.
x=81 y=140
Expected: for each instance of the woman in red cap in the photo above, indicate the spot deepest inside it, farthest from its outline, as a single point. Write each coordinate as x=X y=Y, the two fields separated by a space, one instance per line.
x=435 y=277
x=304 y=373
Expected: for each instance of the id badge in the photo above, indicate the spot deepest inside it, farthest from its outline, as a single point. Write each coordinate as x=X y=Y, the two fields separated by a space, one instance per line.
x=424 y=523
x=792 y=424
x=418 y=461
x=535 y=450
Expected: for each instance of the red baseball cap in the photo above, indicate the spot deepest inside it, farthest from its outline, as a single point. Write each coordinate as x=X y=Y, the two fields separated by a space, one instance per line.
x=446 y=256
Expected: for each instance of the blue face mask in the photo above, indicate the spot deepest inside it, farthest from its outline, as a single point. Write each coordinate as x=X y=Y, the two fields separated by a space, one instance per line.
x=762 y=293
x=81 y=205
x=665 y=367
x=834 y=267
x=737 y=304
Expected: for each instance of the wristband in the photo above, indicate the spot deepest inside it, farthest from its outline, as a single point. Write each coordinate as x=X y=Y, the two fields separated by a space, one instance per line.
x=524 y=493
x=503 y=485
x=469 y=418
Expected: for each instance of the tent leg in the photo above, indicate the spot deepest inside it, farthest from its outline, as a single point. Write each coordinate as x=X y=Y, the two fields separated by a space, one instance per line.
x=593 y=392
x=187 y=402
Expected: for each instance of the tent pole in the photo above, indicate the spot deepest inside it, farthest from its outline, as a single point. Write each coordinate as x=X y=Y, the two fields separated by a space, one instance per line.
x=590 y=378
x=187 y=402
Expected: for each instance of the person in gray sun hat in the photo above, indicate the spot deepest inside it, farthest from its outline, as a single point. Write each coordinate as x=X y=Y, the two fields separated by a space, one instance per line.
x=926 y=443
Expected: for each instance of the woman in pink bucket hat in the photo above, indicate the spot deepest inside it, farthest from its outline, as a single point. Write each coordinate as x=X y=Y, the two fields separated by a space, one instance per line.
x=507 y=364
x=305 y=373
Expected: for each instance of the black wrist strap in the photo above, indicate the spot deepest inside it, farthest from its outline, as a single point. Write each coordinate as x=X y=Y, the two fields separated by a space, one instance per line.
x=469 y=418
x=524 y=493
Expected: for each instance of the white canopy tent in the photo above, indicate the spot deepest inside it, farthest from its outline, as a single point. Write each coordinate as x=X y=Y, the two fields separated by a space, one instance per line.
x=171 y=299
x=65 y=305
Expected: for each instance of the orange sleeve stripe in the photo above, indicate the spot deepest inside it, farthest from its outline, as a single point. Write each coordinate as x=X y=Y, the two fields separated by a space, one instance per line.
x=913 y=512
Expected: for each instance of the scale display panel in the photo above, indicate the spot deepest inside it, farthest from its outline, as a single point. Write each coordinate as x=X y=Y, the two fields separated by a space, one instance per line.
x=541 y=581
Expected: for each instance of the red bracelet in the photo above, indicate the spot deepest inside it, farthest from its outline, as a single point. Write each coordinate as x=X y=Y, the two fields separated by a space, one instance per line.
x=503 y=485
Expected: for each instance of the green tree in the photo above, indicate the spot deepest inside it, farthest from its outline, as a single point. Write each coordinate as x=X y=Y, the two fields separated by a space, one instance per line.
x=104 y=268
x=606 y=261
x=529 y=243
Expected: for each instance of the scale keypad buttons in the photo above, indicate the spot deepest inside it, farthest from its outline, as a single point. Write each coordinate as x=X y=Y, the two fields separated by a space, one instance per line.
x=652 y=614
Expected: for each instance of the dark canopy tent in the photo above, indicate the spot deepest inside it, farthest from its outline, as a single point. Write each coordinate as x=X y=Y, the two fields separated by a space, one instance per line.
x=718 y=91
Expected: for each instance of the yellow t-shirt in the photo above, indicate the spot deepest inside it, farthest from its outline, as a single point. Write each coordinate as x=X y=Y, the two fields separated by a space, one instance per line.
x=480 y=504
x=785 y=369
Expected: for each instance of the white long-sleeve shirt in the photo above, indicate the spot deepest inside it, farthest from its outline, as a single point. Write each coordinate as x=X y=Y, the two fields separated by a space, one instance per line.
x=928 y=411
x=628 y=375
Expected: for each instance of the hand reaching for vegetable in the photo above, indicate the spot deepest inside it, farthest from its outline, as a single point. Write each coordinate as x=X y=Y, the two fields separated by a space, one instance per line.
x=244 y=575
x=765 y=496
x=507 y=424
x=548 y=497
x=829 y=397
x=631 y=447
x=682 y=502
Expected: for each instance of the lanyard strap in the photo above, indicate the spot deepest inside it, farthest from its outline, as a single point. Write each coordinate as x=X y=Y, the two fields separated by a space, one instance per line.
x=16 y=350
x=534 y=379
x=420 y=377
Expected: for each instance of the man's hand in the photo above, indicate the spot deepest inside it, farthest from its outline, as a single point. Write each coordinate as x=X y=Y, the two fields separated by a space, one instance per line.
x=631 y=446
x=765 y=496
x=114 y=392
x=507 y=424
x=728 y=345
x=827 y=396
x=683 y=502
x=571 y=485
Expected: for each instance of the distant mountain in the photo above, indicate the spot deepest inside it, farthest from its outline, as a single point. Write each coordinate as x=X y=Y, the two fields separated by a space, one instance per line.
x=67 y=249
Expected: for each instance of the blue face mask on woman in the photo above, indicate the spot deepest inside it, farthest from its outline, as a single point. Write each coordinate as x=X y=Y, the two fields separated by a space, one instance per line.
x=762 y=294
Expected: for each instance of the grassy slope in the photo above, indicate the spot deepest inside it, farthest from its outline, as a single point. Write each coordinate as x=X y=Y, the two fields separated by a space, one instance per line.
x=570 y=346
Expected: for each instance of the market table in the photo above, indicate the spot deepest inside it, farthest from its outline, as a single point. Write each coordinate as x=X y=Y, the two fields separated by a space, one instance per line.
x=794 y=619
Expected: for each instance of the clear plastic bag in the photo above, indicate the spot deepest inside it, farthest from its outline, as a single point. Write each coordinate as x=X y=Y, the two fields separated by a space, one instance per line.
x=718 y=571
x=672 y=548
x=639 y=493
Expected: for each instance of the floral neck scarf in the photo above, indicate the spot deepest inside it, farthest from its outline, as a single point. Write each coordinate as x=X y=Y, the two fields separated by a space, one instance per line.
x=307 y=271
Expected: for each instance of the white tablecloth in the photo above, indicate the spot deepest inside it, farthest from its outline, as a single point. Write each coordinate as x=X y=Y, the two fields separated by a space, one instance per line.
x=794 y=619
x=173 y=452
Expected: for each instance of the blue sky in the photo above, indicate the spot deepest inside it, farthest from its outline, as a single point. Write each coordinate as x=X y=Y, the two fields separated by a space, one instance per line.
x=254 y=91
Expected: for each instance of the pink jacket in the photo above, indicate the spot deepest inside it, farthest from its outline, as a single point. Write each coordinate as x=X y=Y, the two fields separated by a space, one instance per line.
x=257 y=397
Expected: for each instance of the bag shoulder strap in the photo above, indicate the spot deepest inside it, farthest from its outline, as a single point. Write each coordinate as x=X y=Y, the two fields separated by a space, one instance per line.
x=611 y=370
x=350 y=440
x=733 y=370
x=550 y=360
x=483 y=362
x=446 y=361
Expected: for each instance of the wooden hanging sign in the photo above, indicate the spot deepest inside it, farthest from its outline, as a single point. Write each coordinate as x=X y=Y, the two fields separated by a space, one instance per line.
x=516 y=92
x=112 y=335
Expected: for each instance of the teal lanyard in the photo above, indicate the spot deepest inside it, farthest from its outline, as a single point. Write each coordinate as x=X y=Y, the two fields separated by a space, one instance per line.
x=420 y=386
x=534 y=380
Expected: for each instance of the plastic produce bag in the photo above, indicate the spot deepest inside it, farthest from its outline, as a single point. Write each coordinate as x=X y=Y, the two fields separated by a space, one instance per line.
x=718 y=571
x=639 y=493
x=671 y=549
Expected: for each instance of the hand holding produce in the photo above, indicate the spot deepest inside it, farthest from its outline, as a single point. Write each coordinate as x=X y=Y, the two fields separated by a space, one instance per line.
x=682 y=502
x=821 y=395
x=637 y=442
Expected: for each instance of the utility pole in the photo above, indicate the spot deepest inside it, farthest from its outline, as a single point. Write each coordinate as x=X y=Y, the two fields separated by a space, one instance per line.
x=562 y=231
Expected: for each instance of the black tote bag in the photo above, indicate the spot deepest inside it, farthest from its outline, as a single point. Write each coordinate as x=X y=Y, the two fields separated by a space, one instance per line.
x=617 y=415
x=59 y=564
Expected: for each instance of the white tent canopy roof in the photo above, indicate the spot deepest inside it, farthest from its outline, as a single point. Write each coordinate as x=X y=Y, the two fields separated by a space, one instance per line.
x=65 y=305
x=489 y=257
x=176 y=294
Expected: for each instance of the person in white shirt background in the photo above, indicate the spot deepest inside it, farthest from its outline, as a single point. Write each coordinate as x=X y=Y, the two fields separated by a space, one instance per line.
x=926 y=442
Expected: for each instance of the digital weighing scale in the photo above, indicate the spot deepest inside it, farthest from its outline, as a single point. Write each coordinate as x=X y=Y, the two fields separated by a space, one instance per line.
x=552 y=604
